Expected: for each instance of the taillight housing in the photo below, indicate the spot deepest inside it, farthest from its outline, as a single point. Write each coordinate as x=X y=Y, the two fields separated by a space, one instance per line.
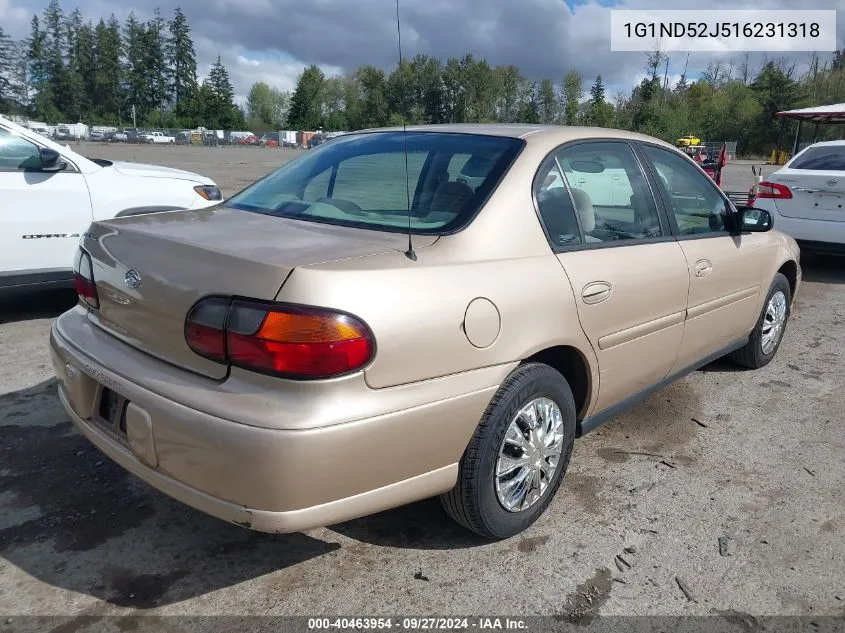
x=83 y=279
x=285 y=340
x=773 y=190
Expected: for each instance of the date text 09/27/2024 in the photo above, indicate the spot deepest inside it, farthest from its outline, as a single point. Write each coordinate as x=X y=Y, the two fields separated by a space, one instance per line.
x=416 y=624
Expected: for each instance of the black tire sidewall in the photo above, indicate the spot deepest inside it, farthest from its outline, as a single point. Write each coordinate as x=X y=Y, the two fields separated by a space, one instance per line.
x=779 y=283
x=540 y=381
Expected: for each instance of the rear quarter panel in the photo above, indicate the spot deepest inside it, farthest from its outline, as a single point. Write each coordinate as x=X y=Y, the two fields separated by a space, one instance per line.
x=418 y=310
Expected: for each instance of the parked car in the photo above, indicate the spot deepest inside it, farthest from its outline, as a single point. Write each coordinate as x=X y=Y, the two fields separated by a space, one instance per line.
x=183 y=138
x=157 y=138
x=96 y=137
x=807 y=197
x=270 y=139
x=313 y=350
x=63 y=134
x=686 y=141
x=119 y=137
x=50 y=194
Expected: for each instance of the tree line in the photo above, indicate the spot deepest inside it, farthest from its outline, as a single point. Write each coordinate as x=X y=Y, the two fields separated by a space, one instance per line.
x=72 y=70
x=730 y=101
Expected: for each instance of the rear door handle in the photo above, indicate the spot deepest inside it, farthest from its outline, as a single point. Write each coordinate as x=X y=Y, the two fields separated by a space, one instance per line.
x=703 y=268
x=596 y=292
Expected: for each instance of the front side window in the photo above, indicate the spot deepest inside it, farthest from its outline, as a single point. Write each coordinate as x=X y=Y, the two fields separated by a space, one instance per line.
x=609 y=192
x=821 y=158
x=693 y=198
x=18 y=154
x=367 y=181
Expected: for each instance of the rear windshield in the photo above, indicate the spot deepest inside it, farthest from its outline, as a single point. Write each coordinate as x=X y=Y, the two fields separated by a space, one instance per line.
x=824 y=158
x=370 y=181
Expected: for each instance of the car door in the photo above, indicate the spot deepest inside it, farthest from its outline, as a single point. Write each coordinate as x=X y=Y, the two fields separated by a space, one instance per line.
x=627 y=272
x=725 y=267
x=42 y=213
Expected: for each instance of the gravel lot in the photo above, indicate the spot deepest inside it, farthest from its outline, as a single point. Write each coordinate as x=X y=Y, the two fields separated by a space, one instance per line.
x=753 y=457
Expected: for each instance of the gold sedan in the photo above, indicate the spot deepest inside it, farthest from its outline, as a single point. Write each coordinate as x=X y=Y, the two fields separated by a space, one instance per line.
x=399 y=315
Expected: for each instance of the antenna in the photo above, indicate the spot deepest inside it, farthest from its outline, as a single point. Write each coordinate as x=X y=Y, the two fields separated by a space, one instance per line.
x=410 y=254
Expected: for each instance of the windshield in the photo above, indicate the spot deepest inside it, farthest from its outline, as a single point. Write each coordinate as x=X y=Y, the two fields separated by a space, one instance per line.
x=360 y=180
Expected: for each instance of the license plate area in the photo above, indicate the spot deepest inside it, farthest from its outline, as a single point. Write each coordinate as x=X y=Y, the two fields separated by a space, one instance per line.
x=829 y=201
x=111 y=411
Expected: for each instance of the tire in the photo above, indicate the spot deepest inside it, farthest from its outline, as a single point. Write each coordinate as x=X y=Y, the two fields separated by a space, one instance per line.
x=755 y=353
x=474 y=501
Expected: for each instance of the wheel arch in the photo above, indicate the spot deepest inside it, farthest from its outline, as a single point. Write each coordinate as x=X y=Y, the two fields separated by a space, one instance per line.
x=574 y=366
x=789 y=269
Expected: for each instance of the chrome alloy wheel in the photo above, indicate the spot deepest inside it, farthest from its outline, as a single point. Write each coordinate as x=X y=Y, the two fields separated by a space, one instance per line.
x=773 y=322
x=529 y=455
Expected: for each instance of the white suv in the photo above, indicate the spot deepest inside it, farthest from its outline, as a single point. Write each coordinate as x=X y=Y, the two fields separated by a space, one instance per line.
x=806 y=197
x=50 y=194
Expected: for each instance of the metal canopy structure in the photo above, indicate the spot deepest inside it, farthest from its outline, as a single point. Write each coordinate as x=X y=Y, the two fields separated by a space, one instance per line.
x=820 y=115
x=830 y=114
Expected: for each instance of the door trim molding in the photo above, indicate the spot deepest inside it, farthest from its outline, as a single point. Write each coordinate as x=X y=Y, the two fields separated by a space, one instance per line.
x=721 y=302
x=638 y=331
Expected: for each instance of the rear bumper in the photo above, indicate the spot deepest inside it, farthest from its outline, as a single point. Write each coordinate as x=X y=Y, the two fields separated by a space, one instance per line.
x=268 y=479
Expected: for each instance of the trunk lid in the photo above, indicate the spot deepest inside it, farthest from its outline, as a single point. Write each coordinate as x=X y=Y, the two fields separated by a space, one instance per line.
x=816 y=195
x=183 y=256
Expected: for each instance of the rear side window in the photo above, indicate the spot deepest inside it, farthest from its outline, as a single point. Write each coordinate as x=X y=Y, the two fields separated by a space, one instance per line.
x=367 y=180
x=823 y=158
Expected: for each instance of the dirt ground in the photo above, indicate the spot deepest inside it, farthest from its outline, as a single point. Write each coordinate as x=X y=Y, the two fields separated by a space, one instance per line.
x=752 y=458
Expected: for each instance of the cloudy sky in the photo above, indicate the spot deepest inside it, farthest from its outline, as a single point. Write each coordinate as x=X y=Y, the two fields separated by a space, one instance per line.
x=272 y=40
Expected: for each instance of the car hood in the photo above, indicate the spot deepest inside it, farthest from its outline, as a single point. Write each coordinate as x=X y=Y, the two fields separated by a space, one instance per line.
x=142 y=170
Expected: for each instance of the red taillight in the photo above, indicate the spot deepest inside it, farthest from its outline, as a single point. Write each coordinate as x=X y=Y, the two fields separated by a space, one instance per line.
x=83 y=279
x=768 y=189
x=205 y=328
x=295 y=342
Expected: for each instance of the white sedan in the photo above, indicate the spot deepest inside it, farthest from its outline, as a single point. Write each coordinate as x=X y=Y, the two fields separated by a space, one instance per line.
x=49 y=195
x=806 y=197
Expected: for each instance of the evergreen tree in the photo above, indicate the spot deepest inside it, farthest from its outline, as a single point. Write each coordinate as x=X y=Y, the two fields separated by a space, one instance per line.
x=218 y=104
x=156 y=69
x=108 y=97
x=597 y=92
x=74 y=94
x=7 y=64
x=305 y=104
x=54 y=46
x=39 y=70
x=135 y=75
x=183 y=63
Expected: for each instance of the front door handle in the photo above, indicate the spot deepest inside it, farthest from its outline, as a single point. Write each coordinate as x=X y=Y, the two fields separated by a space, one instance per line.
x=703 y=268
x=596 y=292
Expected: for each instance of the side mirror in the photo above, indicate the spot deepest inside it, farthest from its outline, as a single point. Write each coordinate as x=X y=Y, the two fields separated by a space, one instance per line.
x=51 y=160
x=755 y=220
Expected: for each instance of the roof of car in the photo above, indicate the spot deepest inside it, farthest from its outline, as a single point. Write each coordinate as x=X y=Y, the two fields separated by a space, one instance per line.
x=827 y=143
x=561 y=133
